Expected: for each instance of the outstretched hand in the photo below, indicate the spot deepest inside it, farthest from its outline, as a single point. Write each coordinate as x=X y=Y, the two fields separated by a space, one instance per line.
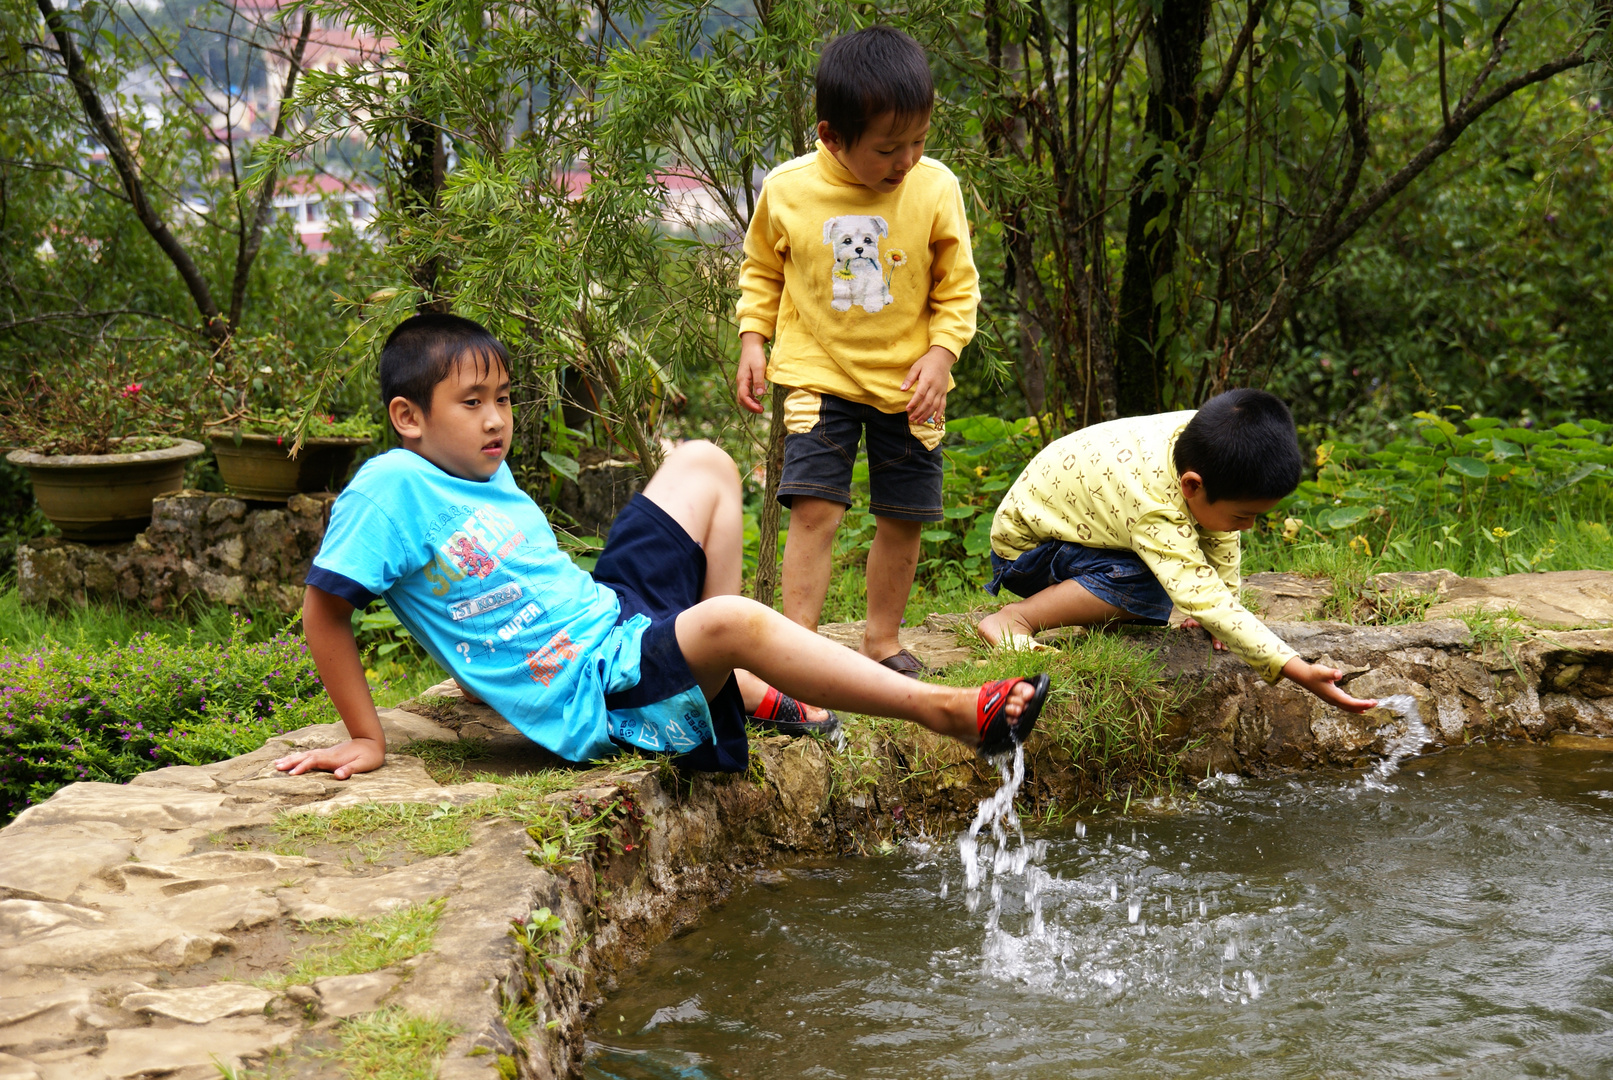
x=1194 y=624
x=342 y=760
x=1324 y=683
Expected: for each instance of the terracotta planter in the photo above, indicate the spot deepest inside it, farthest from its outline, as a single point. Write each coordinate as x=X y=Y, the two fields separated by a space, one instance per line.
x=262 y=467
x=104 y=498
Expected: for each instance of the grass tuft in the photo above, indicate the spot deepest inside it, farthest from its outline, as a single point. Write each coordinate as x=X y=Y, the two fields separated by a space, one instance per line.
x=359 y=946
x=445 y=761
x=421 y=828
x=391 y=1045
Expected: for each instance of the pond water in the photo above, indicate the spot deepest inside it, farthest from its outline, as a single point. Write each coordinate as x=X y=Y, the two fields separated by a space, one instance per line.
x=1457 y=924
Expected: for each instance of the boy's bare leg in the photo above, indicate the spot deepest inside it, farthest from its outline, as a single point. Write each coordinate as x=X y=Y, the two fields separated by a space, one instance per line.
x=729 y=632
x=1066 y=604
x=892 y=558
x=698 y=487
x=809 y=557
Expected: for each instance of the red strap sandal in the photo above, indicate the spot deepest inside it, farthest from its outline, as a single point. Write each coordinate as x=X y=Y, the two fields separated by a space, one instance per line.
x=998 y=733
x=784 y=714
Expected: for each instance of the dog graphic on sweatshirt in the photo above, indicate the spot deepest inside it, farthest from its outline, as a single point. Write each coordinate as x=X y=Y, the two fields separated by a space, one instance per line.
x=858 y=277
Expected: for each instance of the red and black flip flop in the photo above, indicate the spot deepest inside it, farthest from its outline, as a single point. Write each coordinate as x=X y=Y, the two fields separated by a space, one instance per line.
x=784 y=715
x=998 y=733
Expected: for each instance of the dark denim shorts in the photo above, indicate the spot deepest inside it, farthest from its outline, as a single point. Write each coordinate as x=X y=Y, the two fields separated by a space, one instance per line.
x=657 y=570
x=1115 y=576
x=904 y=479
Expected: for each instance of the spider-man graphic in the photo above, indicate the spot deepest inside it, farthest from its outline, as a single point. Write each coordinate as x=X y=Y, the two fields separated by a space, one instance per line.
x=472 y=558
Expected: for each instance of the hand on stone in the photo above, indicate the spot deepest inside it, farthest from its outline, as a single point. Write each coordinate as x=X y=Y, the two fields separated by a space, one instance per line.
x=1194 y=624
x=343 y=760
x=1323 y=682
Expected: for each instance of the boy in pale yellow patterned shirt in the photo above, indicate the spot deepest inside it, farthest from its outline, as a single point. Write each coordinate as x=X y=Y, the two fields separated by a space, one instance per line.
x=1120 y=521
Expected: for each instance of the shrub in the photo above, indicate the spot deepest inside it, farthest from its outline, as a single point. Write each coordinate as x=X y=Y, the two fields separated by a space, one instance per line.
x=69 y=713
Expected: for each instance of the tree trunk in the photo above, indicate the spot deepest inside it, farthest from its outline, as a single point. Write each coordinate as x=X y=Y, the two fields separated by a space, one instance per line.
x=767 y=568
x=1174 y=46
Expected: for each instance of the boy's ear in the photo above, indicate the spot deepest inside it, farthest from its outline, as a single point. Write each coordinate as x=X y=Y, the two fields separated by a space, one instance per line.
x=1192 y=484
x=829 y=137
x=408 y=419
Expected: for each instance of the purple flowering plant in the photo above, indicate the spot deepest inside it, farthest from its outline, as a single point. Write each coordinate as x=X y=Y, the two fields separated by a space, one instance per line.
x=68 y=713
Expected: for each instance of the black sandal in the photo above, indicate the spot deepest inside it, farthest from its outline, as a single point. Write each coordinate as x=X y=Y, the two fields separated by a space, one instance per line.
x=784 y=715
x=999 y=734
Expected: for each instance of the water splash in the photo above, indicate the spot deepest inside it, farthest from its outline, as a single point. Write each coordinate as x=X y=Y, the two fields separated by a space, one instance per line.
x=997 y=811
x=1407 y=743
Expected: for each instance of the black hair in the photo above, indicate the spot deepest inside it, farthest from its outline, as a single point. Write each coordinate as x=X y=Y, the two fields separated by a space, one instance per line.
x=423 y=349
x=1243 y=445
x=863 y=75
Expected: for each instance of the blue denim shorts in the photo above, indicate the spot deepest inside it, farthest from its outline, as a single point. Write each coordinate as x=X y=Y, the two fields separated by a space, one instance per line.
x=1115 y=576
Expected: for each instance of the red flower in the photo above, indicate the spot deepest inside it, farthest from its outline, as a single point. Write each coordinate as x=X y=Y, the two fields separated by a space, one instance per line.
x=133 y=390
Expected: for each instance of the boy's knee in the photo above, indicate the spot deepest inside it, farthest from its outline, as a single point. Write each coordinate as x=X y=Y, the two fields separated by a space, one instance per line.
x=706 y=455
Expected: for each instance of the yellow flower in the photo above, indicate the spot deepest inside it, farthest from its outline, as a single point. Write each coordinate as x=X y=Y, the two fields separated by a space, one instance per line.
x=896 y=257
x=1291 y=527
x=981 y=470
x=1360 y=544
x=1499 y=533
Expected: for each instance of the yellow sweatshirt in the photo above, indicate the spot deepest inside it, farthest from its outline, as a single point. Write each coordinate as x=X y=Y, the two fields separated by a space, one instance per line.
x=854 y=285
x=1115 y=485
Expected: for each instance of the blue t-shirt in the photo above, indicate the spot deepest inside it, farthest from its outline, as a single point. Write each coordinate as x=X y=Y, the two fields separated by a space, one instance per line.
x=473 y=570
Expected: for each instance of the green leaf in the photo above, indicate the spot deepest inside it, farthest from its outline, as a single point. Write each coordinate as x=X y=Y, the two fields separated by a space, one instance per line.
x=565 y=466
x=1570 y=431
x=936 y=536
x=1345 y=516
x=953 y=513
x=1406 y=49
x=1472 y=468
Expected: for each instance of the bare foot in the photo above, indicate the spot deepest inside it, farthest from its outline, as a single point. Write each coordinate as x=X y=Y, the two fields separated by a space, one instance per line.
x=1000 y=623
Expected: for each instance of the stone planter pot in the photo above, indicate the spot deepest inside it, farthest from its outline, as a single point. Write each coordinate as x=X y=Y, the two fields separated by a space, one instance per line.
x=261 y=466
x=104 y=498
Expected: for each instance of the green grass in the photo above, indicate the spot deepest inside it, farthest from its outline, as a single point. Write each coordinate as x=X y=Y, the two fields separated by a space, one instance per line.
x=97 y=625
x=1105 y=718
x=404 y=675
x=1557 y=534
x=420 y=828
x=391 y=1045
x=359 y=946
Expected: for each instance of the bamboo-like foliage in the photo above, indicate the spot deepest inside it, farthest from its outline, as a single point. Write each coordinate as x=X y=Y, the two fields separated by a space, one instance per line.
x=1154 y=184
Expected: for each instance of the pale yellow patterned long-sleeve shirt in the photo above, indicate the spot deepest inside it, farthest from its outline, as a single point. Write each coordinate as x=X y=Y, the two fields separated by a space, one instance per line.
x=1115 y=485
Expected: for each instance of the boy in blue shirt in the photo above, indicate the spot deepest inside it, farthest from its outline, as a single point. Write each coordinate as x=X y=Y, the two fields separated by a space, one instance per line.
x=655 y=650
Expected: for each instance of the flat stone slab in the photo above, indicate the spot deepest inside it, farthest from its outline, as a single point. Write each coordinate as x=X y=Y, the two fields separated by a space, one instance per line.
x=1560 y=598
x=935 y=641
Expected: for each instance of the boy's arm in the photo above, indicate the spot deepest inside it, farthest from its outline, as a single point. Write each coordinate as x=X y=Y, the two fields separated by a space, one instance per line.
x=327 y=622
x=954 y=281
x=761 y=287
x=1172 y=553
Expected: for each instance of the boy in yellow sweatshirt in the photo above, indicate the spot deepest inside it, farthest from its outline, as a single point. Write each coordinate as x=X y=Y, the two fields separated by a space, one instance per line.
x=858 y=268
x=1119 y=521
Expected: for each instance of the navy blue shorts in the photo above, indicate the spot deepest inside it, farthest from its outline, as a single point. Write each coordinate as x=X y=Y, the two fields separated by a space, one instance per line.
x=1115 y=576
x=657 y=570
x=820 y=449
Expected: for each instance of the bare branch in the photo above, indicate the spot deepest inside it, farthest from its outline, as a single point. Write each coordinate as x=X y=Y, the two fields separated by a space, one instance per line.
x=1211 y=102
x=128 y=172
x=252 y=242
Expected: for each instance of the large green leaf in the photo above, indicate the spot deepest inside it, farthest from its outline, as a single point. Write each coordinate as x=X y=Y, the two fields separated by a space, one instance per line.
x=1345 y=516
x=1472 y=468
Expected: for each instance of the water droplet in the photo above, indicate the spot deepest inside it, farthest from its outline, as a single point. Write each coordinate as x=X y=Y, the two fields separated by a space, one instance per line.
x=1134 y=909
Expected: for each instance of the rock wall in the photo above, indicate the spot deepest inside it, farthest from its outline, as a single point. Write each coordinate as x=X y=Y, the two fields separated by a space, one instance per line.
x=199 y=543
